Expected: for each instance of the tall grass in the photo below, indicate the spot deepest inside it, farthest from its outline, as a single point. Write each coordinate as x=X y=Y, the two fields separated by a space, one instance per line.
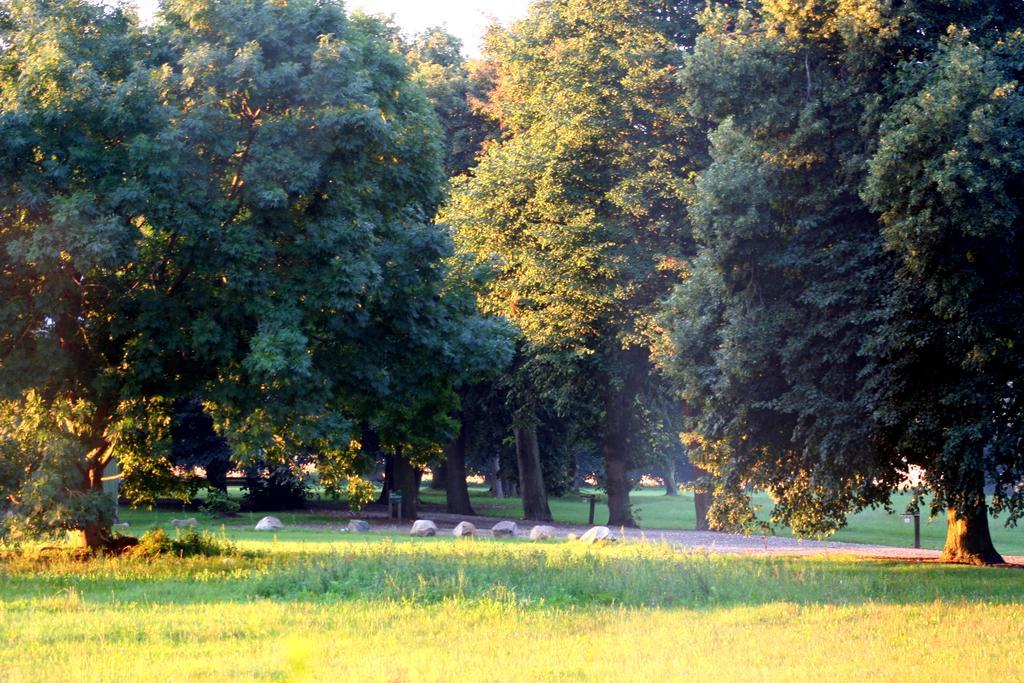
x=482 y=610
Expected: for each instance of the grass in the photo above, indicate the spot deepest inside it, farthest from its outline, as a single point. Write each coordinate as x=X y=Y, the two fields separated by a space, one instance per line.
x=399 y=609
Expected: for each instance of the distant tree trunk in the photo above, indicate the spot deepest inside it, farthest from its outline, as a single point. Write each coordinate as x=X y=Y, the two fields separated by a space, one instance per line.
x=439 y=472
x=457 y=492
x=405 y=482
x=968 y=540
x=497 y=487
x=671 y=486
x=531 y=479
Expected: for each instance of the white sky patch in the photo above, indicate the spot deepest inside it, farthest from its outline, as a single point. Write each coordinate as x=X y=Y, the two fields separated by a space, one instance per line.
x=467 y=19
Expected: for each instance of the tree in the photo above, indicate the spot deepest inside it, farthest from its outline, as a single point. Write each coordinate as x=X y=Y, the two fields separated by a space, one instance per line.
x=235 y=205
x=580 y=207
x=454 y=87
x=948 y=180
x=791 y=339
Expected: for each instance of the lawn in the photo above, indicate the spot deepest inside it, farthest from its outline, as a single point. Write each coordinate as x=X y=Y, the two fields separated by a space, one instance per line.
x=399 y=609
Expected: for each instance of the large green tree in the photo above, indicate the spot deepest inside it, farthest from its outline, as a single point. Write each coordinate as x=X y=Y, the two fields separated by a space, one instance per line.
x=794 y=340
x=580 y=208
x=234 y=204
x=948 y=180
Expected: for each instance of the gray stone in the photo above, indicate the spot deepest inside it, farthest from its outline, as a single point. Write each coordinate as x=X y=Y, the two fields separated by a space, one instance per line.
x=269 y=524
x=120 y=525
x=181 y=523
x=423 y=527
x=358 y=526
x=463 y=529
x=597 y=534
x=542 y=532
x=505 y=529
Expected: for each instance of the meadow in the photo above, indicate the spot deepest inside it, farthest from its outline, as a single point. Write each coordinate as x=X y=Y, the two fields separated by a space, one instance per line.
x=385 y=608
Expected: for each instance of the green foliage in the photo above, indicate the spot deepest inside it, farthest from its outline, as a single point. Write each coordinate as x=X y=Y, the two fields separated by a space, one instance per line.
x=220 y=504
x=947 y=179
x=579 y=209
x=189 y=543
x=234 y=204
x=854 y=307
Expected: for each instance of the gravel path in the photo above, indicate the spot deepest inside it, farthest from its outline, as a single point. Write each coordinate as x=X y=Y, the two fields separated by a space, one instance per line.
x=707 y=541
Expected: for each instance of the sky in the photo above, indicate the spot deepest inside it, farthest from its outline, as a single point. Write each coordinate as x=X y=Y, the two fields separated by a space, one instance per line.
x=466 y=19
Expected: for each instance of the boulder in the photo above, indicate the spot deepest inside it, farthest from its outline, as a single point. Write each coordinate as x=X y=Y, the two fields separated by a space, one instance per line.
x=463 y=529
x=269 y=524
x=181 y=523
x=597 y=534
x=542 y=532
x=505 y=529
x=423 y=527
x=120 y=525
x=358 y=526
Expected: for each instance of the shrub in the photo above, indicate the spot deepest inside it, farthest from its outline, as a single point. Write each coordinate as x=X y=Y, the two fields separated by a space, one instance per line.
x=219 y=504
x=190 y=543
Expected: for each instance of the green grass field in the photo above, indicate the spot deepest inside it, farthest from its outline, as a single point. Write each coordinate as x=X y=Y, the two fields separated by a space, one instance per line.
x=398 y=609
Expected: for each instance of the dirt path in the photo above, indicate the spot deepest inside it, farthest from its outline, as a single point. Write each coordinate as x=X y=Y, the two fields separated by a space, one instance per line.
x=708 y=541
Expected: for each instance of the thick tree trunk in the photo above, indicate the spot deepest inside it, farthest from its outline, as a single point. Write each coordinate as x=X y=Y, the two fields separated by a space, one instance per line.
x=702 y=503
x=457 y=498
x=614 y=445
x=968 y=540
x=94 y=534
x=405 y=482
x=671 y=486
x=632 y=368
x=531 y=479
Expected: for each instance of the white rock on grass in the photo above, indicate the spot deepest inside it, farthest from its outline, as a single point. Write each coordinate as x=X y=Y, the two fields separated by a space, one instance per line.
x=542 y=532
x=597 y=534
x=423 y=527
x=120 y=525
x=505 y=529
x=269 y=524
x=463 y=529
x=181 y=523
x=358 y=526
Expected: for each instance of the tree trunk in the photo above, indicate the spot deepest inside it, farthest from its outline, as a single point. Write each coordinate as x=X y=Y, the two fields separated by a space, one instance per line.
x=457 y=492
x=439 y=473
x=702 y=503
x=614 y=447
x=968 y=540
x=497 y=486
x=531 y=479
x=405 y=483
x=94 y=534
x=702 y=499
x=388 y=485
x=671 y=486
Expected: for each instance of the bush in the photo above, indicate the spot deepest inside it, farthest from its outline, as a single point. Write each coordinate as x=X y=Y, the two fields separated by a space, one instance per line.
x=219 y=504
x=190 y=543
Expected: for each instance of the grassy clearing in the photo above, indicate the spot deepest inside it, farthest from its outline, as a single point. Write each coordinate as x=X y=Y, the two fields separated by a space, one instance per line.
x=378 y=608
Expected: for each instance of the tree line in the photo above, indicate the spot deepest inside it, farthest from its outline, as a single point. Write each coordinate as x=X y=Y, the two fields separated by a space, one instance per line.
x=782 y=239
